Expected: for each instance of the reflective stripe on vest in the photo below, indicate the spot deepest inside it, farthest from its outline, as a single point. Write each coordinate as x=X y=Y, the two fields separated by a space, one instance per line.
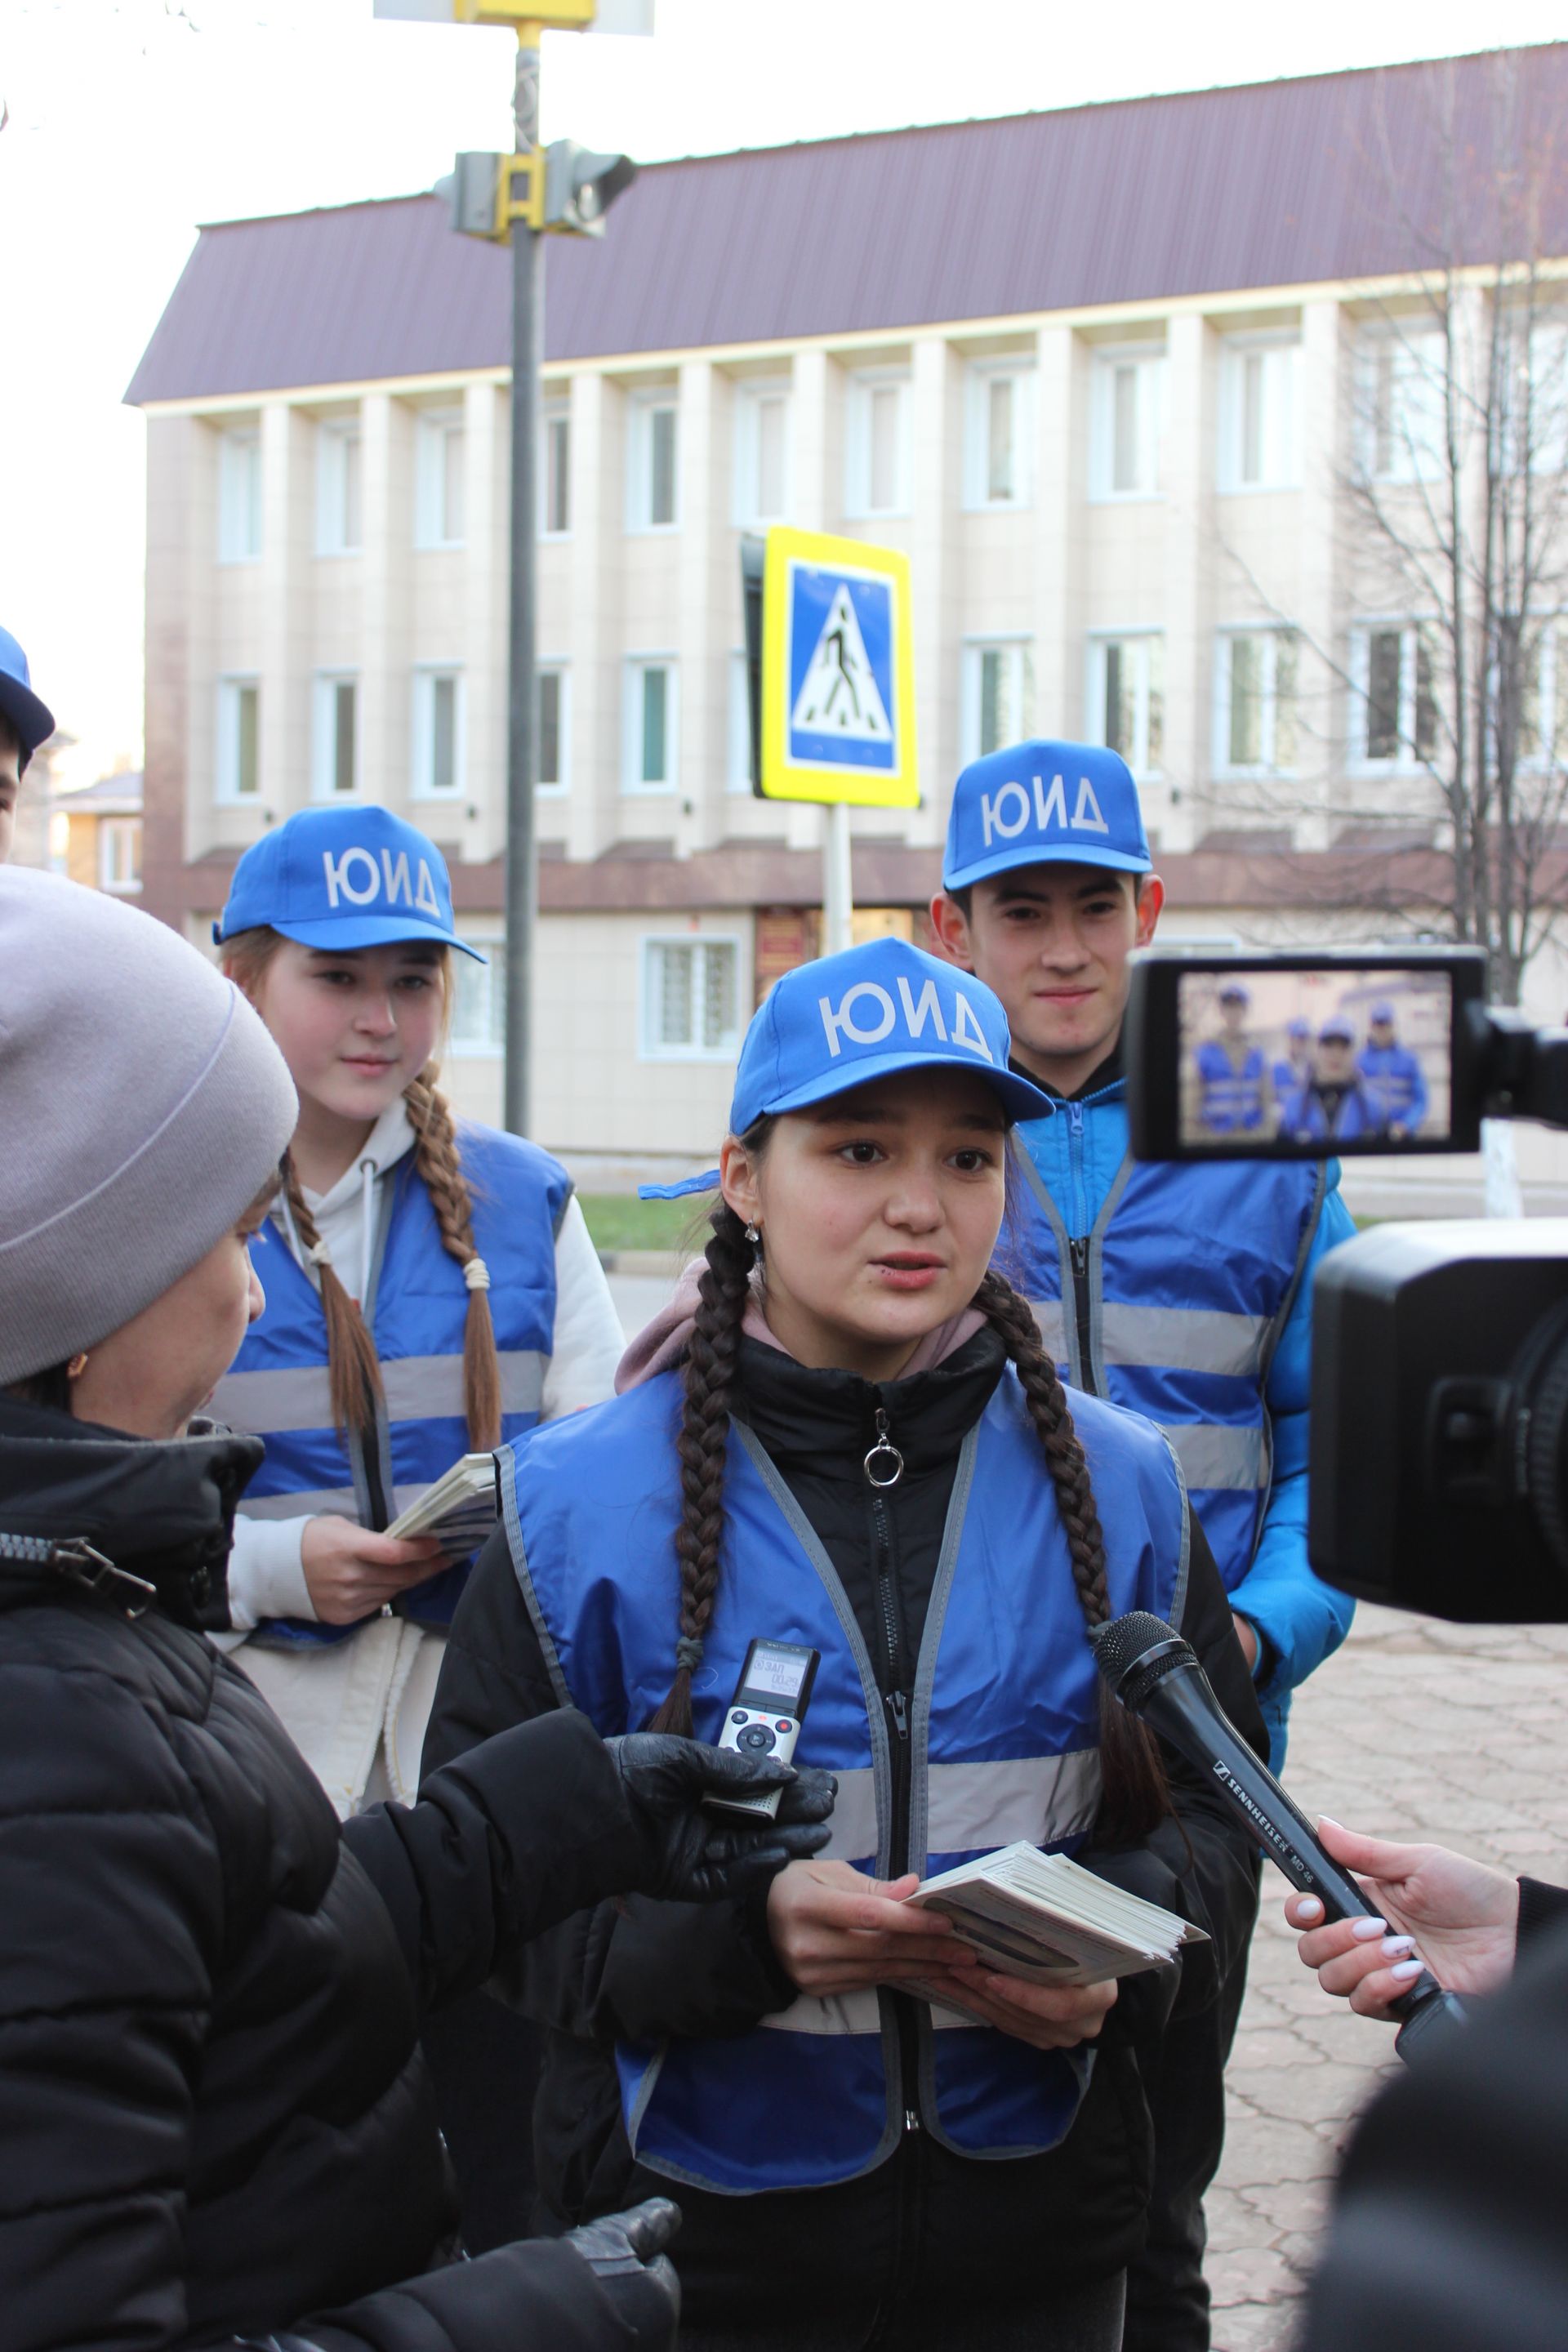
x=418 y=1312
x=1003 y=1725
x=1192 y=1273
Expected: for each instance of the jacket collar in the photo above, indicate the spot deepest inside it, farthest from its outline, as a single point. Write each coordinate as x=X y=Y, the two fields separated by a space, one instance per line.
x=825 y=1422
x=160 y=1512
x=1105 y=1078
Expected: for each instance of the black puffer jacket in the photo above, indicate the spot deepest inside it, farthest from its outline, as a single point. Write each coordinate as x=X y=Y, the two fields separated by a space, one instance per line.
x=213 y=2116
x=929 y=2234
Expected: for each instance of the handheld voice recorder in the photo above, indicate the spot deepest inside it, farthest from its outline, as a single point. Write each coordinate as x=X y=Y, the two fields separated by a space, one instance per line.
x=764 y=1718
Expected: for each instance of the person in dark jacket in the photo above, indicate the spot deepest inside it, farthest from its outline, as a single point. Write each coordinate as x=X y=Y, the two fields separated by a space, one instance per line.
x=844 y=1434
x=214 y=2115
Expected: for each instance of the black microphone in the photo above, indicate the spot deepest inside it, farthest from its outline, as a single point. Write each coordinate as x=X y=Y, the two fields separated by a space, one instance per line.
x=1156 y=1675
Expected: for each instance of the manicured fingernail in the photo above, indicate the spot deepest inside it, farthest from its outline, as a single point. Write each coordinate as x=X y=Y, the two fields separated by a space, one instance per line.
x=1327 y=1821
x=1365 y=1929
x=1407 y=1968
x=1309 y=1908
x=1396 y=1947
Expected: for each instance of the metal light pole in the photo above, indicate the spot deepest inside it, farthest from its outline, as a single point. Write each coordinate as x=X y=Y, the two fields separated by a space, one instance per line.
x=521 y=839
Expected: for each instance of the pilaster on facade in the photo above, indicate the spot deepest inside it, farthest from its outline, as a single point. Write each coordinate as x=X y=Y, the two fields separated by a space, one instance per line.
x=1180 y=807
x=706 y=536
x=386 y=649
x=1322 y=618
x=288 y=632
x=937 y=392
x=1057 y=646
x=592 y=632
x=486 y=490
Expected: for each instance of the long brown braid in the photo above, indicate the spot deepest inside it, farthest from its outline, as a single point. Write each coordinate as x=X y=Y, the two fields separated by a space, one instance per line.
x=1134 y=1794
x=353 y=1370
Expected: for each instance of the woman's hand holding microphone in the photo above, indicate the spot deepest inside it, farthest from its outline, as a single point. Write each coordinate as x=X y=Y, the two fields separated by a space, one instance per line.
x=1435 y=1910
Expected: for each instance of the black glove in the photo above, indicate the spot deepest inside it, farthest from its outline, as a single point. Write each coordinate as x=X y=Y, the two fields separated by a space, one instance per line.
x=693 y=1856
x=626 y=2253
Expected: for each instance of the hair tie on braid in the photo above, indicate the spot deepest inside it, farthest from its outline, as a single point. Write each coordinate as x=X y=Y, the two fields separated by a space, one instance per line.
x=689 y=1653
x=477 y=1274
x=319 y=1253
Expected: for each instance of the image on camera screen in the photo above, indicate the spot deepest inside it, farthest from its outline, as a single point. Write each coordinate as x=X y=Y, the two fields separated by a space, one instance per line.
x=1339 y=1055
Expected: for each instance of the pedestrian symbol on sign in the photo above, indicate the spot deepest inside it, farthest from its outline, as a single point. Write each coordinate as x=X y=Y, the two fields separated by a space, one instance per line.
x=839 y=696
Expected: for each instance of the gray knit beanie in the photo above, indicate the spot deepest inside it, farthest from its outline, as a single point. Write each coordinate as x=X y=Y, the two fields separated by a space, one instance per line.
x=142 y=1107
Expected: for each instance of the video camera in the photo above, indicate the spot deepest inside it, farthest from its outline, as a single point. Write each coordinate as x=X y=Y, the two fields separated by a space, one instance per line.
x=1440 y=1468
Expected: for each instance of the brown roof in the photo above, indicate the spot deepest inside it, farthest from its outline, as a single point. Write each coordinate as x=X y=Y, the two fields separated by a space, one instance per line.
x=1280 y=184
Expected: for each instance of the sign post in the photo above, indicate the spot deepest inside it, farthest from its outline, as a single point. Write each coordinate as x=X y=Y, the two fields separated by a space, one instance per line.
x=834 y=715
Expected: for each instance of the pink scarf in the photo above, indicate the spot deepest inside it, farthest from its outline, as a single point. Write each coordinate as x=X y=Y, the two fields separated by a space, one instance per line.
x=665 y=1340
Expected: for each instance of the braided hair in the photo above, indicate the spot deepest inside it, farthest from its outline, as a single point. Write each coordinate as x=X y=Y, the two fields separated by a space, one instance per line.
x=353 y=1370
x=1134 y=1794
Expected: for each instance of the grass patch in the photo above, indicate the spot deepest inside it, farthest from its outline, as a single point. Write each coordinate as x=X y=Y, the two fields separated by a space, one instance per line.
x=619 y=1221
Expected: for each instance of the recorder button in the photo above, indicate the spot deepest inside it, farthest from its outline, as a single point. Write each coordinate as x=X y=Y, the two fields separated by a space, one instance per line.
x=756 y=1738
x=739 y=1716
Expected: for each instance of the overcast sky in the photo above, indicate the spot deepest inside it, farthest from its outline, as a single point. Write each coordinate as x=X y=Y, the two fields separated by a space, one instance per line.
x=133 y=120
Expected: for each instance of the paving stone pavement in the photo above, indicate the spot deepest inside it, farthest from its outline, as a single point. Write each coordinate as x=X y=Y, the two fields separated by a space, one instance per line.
x=1457 y=1733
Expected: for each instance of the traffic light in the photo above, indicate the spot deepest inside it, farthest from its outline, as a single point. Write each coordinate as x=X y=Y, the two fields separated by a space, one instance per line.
x=469 y=190
x=580 y=186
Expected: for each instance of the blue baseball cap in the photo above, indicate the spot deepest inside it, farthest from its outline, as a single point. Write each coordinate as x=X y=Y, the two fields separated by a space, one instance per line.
x=356 y=877
x=1041 y=804
x=33 y=720
x=1382 y=1012
x=847 y=1020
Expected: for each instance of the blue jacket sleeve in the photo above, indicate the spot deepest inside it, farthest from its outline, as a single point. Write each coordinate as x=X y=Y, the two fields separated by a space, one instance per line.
x=1300 y=1619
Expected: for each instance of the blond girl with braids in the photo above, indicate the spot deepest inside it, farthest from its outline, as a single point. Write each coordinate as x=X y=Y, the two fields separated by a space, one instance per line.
x=430 y=1291
x=844 y=1434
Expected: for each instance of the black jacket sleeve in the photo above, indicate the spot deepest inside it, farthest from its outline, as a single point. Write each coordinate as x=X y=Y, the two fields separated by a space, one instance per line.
x=1540 y=1907
x=1200 y=1864
x=619 y=1970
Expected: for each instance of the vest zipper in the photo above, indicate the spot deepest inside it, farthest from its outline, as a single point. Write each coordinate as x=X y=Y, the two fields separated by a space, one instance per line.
x=884 y=1458
x=1082 y=1304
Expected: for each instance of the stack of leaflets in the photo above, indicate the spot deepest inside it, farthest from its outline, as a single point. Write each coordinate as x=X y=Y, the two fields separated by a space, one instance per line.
x=461 y=1507
x=1040 y=1917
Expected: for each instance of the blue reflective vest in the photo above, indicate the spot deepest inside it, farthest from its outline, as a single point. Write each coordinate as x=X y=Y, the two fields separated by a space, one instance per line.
x=1002 y=1723
x=1306 y=1118
x=417 y=1313
x=1392 y=1075
x=1231 y=1100
x=1172 y=1301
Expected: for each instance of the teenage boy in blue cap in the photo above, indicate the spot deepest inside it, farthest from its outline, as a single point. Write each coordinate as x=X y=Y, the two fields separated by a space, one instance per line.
x=1180 y=1290
x=25 y=723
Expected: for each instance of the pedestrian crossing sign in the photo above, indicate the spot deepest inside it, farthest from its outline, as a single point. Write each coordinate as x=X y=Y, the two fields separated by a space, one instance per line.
x=837 y=720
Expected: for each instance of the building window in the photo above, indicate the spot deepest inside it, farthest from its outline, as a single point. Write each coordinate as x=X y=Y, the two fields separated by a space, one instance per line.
x=1127 y=699
x=1126 y=417
x=1255 y=720
x=439 y=732
x=761 y=453
x=119 y=855
x=555 y=473
x=1394 y=703
x=691 y=1009
x=738 y=730
x=652 y=483
x=876 y=466
x=651 y=754
x=1401 y=419
x=238 y=738
x=1259 y=428
x=439 y=451
x=336 y=743
x=997 y=435
x=239 y=497
x=478 y=998
x=997 y=696
x=551 y=721
x=339 y=524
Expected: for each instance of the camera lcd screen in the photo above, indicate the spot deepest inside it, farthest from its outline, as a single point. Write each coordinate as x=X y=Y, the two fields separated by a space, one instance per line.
x=776 y=1674
x=1332 y=1057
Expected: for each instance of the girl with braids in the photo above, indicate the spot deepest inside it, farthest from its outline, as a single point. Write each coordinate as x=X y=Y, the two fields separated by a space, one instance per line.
x=429 y=1293
x=844 y=1433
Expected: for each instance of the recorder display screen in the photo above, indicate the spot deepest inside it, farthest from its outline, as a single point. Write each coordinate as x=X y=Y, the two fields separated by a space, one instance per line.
x=775 y=1672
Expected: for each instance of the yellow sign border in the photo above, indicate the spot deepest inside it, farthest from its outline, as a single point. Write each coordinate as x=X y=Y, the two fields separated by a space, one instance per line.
x=781 y=778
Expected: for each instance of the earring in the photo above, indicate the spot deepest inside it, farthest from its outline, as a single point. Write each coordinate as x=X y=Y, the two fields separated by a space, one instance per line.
x=752 y=1234
x=77 y=1366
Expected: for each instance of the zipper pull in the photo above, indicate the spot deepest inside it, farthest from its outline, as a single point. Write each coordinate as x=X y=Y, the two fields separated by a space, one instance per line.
x=885 y=1454
x=897 y=1706
x=911 y=2120
x=1080 y=1250
x=1075 y=1117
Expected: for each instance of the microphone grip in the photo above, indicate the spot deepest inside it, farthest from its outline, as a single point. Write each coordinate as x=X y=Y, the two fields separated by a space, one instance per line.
x=1182 y=1707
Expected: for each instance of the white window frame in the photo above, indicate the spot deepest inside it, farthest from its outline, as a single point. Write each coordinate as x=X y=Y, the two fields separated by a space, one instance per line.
x=239 y=510
x=434 y=434
x=1275 y=643
x=490 y=941
x=1405 y=760
x=651 y=1048
x=737 y=728
x=1019 y=652
x=1399 y=373
x=750 y=398
x=632 y=780
x=126 y=829
x=1278 y=358
x=423 y=786
x=642 y=408
x=561 y=671
x=1147 y=644
x=335 y=523
x=860 y=504
x=981 y=376
x=1148 y=366
x=225 y=765
x=555 y=415
x=324 y=735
